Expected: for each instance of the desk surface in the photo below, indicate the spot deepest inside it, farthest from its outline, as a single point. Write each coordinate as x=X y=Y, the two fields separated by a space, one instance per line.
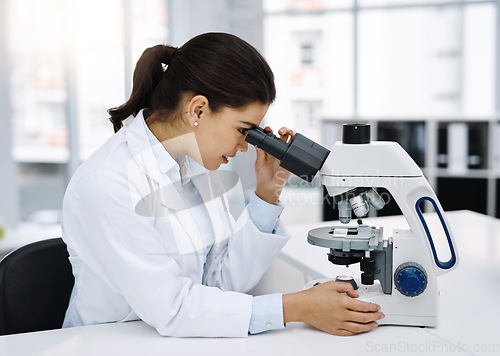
x=137 y=338
x=467 y=322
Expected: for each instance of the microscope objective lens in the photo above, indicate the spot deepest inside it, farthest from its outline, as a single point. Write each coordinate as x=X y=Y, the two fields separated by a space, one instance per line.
x=359 y=206
x=344 y=212
x=374 y=199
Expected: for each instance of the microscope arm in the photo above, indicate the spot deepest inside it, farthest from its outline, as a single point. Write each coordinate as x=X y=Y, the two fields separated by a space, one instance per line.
x=387 y=165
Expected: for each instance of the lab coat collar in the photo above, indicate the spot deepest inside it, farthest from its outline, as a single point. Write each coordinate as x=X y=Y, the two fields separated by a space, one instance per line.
x=150 y=154
x=162 y=156
x=144 y=156
x=142 y=151
x=190 y=168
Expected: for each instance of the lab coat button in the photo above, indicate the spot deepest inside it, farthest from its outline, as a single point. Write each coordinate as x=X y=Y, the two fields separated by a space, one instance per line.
x=269 y=326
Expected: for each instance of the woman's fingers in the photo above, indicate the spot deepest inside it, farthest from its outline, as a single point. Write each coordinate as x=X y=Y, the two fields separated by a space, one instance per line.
x=343 y=287
x=362 y=306
x=356 y=328
x=364 y=318
x=286 y=134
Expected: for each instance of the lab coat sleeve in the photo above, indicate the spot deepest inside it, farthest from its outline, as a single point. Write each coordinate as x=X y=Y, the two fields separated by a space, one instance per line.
x=127 y=253
x=265 y=216
x=246 y=256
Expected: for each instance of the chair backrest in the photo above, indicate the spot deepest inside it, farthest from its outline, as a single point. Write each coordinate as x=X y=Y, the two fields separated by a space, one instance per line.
x=35 y=285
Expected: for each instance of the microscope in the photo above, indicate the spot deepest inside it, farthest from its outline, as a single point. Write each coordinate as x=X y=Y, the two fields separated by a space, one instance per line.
x=398 y=270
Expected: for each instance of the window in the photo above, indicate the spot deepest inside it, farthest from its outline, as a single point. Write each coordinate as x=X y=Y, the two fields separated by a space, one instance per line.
x=399 y=65
x=69 y=62
x=306 y=53
x=385 y=57
x=426 y=61
x=308 y=43
x=307 y=114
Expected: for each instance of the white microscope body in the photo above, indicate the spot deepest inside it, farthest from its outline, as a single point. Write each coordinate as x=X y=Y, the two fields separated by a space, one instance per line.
x=399 y=271
x=404 y=265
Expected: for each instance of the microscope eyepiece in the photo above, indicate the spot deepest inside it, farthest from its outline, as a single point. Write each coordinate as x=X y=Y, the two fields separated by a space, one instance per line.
x=268 y=142
x=302 y=156
x=356 y=133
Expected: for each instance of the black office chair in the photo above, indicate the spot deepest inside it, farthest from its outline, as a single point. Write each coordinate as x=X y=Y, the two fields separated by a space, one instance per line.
x=35 y=285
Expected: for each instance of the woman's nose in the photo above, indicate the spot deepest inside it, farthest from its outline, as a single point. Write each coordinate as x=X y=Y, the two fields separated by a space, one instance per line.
x=243 y=147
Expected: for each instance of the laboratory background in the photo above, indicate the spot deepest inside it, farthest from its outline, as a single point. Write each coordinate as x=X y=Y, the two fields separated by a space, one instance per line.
x=423 y=73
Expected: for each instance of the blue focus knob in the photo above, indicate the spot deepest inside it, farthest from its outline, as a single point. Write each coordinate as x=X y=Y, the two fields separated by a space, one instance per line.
x=410 y=279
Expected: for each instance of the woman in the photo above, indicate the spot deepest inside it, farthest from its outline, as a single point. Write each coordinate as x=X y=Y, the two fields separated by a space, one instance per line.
x=148 y=225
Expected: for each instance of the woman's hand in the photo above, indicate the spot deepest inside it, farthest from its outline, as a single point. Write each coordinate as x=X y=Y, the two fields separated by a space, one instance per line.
x=270 y=176
x=327 y=308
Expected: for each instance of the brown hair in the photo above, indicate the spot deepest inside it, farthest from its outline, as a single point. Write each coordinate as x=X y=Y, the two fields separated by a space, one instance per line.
x=228 y=71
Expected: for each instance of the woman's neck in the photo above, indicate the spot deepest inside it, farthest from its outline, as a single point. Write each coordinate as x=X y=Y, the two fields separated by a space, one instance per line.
x=178 y=139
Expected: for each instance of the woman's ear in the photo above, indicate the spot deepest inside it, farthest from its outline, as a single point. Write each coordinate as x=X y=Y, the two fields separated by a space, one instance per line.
x=197 y=108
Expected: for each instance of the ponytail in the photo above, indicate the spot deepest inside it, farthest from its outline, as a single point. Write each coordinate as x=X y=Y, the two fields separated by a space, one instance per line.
x=225 y=69
x=147 y=74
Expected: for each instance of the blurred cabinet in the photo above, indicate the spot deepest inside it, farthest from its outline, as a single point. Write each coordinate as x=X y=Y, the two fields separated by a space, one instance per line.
x=460 y=157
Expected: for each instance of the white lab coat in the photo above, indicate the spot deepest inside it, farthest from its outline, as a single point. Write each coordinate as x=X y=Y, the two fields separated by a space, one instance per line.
x=150 y=263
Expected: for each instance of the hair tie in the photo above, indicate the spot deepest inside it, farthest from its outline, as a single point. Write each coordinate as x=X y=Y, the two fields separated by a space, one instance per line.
x=168 y=53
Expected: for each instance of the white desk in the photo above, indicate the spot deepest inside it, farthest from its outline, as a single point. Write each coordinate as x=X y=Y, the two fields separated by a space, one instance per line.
x=468 y=317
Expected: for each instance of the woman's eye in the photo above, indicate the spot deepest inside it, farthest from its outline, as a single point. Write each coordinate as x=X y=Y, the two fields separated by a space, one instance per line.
x=243 y=131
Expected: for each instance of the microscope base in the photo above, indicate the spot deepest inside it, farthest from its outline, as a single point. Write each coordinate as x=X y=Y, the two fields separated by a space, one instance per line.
x=398 y=309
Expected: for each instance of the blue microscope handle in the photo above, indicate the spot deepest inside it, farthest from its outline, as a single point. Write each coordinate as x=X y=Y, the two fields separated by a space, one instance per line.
x=453 y=257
